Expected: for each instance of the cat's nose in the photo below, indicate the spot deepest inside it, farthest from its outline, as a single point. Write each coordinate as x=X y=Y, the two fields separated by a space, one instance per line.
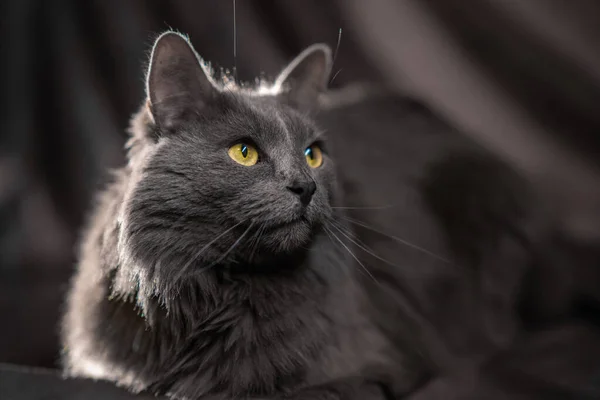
x=304 y=190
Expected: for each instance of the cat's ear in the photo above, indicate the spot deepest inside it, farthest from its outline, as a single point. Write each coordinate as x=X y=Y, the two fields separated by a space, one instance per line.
x=301 y=82
x=177 y=83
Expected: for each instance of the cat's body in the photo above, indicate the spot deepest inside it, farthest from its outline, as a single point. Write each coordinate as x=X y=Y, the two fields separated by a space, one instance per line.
x=235 y=336
x=198 y=276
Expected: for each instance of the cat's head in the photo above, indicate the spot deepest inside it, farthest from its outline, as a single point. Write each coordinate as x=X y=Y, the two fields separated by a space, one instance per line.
x=222 y=175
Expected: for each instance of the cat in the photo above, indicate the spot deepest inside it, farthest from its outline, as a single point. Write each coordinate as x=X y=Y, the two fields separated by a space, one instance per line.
x=209 y=267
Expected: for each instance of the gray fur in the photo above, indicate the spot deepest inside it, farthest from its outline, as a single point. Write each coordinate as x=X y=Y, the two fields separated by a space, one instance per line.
x=268 y=308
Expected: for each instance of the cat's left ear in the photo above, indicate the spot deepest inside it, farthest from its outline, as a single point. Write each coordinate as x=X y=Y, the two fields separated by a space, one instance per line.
x=301 y=82
x=178 y=86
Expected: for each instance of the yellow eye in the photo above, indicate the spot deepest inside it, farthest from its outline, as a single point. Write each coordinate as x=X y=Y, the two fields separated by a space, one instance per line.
x=314 y=156
x=244 y=154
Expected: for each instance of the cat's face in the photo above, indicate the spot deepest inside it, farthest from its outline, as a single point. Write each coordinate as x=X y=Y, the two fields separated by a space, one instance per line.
x=230 y=177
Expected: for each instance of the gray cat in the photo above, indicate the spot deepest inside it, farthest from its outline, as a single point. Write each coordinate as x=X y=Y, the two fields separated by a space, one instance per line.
x=207 y=269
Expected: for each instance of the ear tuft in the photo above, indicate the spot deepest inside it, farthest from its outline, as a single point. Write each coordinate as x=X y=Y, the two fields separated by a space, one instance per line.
x=177 y=84
x=301 y=82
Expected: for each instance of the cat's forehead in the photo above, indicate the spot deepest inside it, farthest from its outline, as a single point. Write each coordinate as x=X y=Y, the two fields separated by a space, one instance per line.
x=268 y=121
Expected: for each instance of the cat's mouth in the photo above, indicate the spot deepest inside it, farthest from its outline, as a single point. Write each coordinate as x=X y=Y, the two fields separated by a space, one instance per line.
x=285 y=236
x=301 y=220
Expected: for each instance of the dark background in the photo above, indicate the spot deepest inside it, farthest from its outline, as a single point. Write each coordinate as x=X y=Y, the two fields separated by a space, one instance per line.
x=521 y=77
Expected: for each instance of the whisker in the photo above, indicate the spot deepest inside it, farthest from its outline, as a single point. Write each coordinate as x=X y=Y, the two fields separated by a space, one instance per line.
x=199 y=253
x=404 y=242
x=252 y=239
x=335 y=53
x=347 y=231
x=256 y=243
x=407 y=293
x=354 y=236
x=411 y=303
x=234 y=44
x=364 y=247
x=230 y=248
x=328 y=235
x=335 y=76
x=351 y=253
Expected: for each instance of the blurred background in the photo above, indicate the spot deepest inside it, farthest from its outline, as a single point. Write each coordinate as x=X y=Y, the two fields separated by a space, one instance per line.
x=520 y=77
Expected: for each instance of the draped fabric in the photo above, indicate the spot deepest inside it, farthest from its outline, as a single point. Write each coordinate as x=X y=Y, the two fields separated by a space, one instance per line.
x=522 y=78
x=519 y=77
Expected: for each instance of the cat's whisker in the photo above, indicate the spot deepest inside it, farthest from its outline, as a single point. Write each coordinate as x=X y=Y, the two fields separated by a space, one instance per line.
x=362 y=246
x=354 y=236
x=397 y=239
x=335 y=54
x=256 y=243
x=406 y=291
x=234 y=43
x=230 y=248
x=351 y=253
x=183 y=270
x=328 y=235
x=335 y=76
x=348 y=231
x=253 y=238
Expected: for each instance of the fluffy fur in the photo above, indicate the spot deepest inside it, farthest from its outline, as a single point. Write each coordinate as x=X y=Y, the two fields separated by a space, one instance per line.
x=199 y=276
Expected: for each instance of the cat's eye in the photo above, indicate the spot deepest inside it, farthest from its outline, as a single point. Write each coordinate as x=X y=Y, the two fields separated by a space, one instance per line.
x=314 y=156
x=244 y=153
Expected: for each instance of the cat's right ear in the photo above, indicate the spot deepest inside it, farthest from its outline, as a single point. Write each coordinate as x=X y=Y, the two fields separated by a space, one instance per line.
x=305 y=78
x=177 y=84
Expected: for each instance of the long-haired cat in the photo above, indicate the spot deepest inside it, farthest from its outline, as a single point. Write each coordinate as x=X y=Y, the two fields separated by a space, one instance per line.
x=207 y=269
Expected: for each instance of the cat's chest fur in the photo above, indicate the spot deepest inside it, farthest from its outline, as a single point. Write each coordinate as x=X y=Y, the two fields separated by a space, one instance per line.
x=255 y=335
x=234 y=336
